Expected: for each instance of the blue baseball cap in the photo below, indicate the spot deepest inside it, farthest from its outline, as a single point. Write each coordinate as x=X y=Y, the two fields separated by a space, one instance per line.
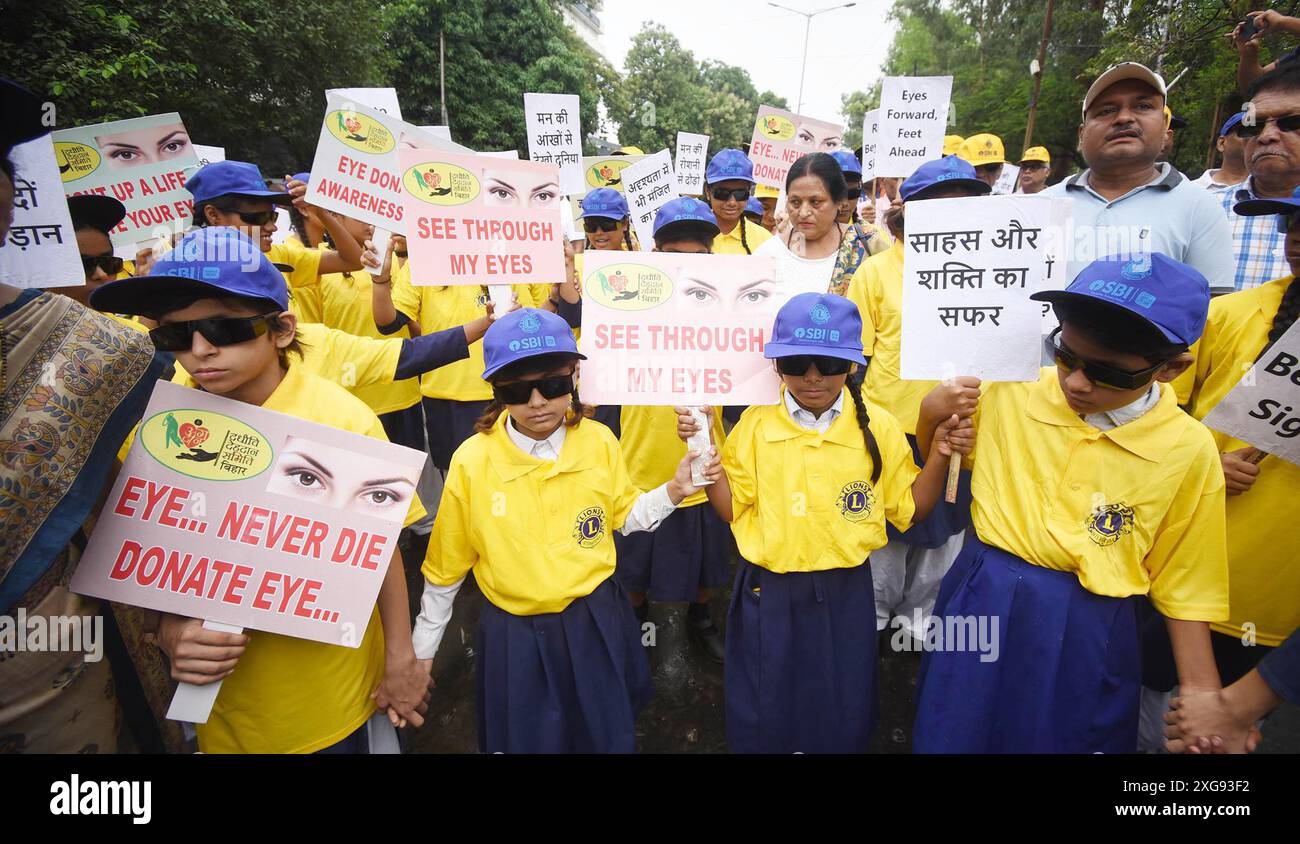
x=1168 y=294
x=941 y=171
x=817 y=324
x=684 y=210
x=729 y=164
x=1230 y=122
x=211 y=261
x=1260 y=207
x=604 y=202
x=848 y=162
x=754 y=206
x=223 y=178
x=526 y=333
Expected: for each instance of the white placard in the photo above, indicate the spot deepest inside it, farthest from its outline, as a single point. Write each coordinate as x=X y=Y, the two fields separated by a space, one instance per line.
x=913 y=116
x=692 y=152
x=209 y=155
x=648 y=186
x=1008 y=180
x=870 y=136
x=41 y=247
x=969 y=267
x=1264 y=408
x=380 y=99
x=555 y=136
x=1056 y=274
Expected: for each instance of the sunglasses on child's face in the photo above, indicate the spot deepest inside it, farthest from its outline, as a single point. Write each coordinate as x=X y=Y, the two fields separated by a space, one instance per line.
x=110 y=264
x=854 y=193
x=519 y=392
x=219 y=331
x=724 y=195
x=799 y=365
x=1290 y=123
x=256 y=218
x=1098 y=373
x=599 y=224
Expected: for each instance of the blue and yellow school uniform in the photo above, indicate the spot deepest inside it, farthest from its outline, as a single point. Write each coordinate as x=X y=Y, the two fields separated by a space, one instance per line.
x=692 y=548
x=731 y=243
x=292 y=695
x=1264 y=566
x=560 y=664
x=1071 y=523
x=801 y=630
x=304 y=290
x=454 y=396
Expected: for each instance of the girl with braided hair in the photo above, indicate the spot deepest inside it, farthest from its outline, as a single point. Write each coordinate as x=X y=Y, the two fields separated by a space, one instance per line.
x=728 y=185
x=808 y=486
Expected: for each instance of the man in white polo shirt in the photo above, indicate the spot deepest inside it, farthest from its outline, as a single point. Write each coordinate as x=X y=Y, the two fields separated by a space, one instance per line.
x=1126 y=203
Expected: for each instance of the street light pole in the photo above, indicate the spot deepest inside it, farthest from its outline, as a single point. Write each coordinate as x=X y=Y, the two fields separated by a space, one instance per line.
x=808 y=16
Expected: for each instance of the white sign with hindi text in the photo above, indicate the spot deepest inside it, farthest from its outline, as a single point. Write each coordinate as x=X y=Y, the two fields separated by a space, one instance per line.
x=648 y=186
x=555 y=136
x=41 y=247
x=692 y=152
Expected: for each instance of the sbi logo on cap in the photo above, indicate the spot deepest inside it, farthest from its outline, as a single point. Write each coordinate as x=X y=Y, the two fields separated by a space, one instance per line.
x=820 y=314
x=829 y=335
x=211 y=273
x=530 y=324
x=1139 y=267
x=525 y=343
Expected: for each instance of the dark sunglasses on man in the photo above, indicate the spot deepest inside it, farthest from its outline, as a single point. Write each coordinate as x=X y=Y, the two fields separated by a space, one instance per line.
x=219 y=331
x=1098 y=373
x=591 y=225
x=519 y=392
x=1289 y=123
x=800 y=364
x=734 y=195
x=110 y=264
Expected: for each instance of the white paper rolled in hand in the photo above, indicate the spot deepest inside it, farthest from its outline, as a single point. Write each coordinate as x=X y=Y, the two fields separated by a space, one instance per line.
x=699 y=441
x=503 y=299
x=380 y=239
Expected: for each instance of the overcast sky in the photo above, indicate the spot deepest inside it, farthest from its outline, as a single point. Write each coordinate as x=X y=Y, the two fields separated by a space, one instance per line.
x=846 y=47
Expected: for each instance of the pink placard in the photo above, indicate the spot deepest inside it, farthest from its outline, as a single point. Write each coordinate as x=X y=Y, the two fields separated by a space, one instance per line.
x=231 y=513
x=475 y=219
x=781 y=138
x=663 y=328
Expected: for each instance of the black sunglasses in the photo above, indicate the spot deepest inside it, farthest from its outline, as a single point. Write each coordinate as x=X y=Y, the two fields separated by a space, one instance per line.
x=799 y=365
x=599 y=224
x=519 y=392
x=722 y=194
x=1098 y=373
x=1290 y=123
x=219 y=331
x=854 y=193
x=110 y=264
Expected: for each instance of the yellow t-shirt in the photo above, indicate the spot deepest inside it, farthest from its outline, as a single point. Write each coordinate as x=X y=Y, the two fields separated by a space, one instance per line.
x=535 y=532
x=304 y=290
x=877 y=290
x=804 y=501
x=345 y=301
x=652 y=448
x=729 y=243
x=290 y=695
x=1262 y=561
x=435 y=308
x=1131 y=511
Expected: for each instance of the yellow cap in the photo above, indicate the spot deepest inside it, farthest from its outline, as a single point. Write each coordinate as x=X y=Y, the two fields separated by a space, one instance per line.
x=952 y=143
x=629 y=151
x=1036 y=154
x=983 y=149
x=767 y=192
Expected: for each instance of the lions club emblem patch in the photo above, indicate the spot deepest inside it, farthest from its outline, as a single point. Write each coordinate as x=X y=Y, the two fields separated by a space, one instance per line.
x=855 y=501
x=1107 y=524
x=589 y=528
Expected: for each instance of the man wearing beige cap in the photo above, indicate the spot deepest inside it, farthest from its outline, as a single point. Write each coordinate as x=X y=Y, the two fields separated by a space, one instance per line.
x=1127 y=203
x=985 y=153
x=1035 y=165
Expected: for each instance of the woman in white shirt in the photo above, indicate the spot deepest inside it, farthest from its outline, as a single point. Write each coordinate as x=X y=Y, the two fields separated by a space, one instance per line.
x=806 y=251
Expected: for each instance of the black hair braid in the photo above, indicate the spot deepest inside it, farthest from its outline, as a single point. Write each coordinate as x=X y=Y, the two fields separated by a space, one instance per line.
x=864 y=422
x=627 y=235
x=1288 y=310
x=743 y=241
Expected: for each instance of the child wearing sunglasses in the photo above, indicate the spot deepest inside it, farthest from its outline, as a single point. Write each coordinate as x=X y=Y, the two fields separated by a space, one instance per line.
x=808 y=485
x=529 y=506
x=1091 y=488
x=1263 y=565
x=608 y=226
x=93 y=219
x=728 y=185
x=907 y=571
x=231 y=331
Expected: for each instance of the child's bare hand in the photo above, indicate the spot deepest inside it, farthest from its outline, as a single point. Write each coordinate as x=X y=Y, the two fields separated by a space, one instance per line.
x=954 y=436
x=1239 y=473
x=198 y=655
x=960 y=395
x=686 y=424
x=404 y=691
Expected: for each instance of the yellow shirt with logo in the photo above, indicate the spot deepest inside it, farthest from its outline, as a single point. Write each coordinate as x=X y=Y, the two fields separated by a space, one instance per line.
x=435 y=308
x=1131 y=511
x=803 y=501
x=290 y=695
x=1262 y=561
x=537 y=533
x=345 y=301
x=653 y=450
x=304 y=290
x=729 y=243
x=877 y=290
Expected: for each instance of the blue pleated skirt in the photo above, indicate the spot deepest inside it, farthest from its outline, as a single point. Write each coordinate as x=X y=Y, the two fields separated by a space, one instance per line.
x=800 y=673
x=405 y=426
x=1068 y=669
x=944 y=521
x=449 y=424
x=691 y=549
x=565 y=682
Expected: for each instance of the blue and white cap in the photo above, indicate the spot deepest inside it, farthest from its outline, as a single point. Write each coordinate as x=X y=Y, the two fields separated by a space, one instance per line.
x=684 y=209
x=817 y=324
x=941 y=171
x=526 y=333
x=848 y=162
x=729 y=164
